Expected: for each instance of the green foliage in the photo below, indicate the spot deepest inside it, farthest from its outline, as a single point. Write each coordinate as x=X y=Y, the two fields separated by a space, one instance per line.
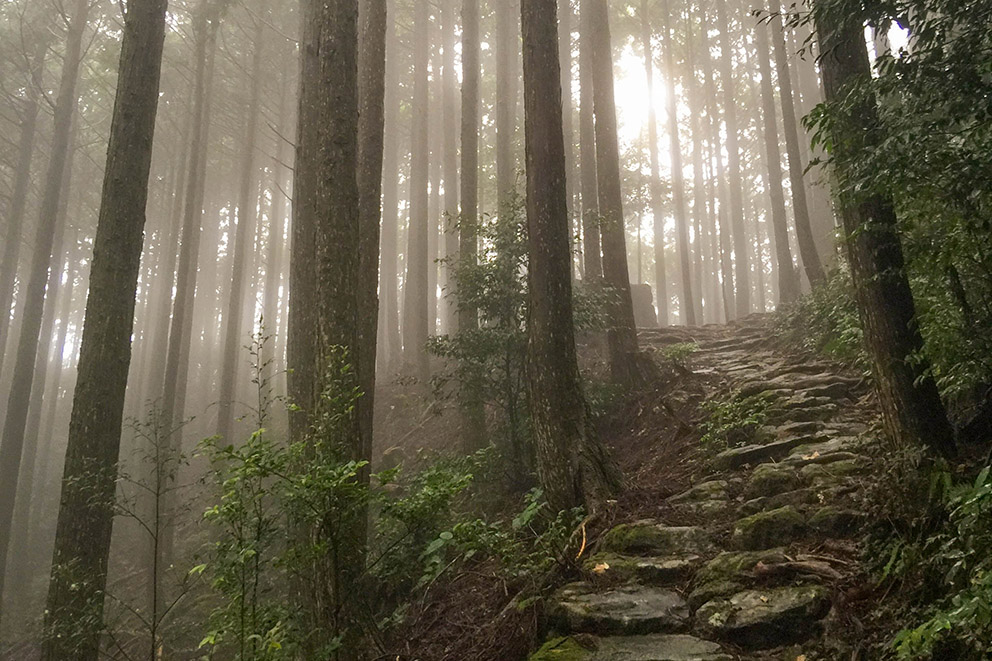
x=961 y=553
x=826 y=321
x=680 y=354
x=734 y=421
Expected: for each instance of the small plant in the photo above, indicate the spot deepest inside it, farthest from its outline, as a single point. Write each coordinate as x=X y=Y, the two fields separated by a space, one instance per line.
x=734 y=421
x=680 y=355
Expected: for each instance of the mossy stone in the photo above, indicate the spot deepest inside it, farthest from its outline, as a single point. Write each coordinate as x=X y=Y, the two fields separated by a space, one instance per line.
x=652 y=538
x=835 y=521
x=768 y=529
x=770 y=480
x=565 y=648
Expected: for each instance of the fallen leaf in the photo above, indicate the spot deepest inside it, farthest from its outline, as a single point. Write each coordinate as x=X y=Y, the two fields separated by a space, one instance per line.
x=600 y=568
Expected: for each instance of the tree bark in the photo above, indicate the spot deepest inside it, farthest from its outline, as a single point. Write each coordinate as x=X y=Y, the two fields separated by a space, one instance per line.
x=912 y=411
x=325 y=298
x=592 y=251
x=33 y=300
x=243 y=233
x=568 y=132
x=625 y=360
x=742 y=256
x=74 y=608
x=416 y=325
x=574 y=467
x=804 y=232
x=449 y=221
x=788 y=279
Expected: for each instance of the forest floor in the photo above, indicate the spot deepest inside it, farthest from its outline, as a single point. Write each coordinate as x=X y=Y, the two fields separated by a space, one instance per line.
x=715 y=552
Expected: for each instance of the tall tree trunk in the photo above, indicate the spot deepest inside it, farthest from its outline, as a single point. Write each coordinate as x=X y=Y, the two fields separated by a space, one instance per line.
x=180 y=328
x=568 y=132
x=592 y=252
x=449 y=84
x=243 y=234
x=473 y=413
x=699 y=215
x=507 y=90
x=911 y=408
x=574 y=467
x=325 y=297
x=21 y=188
x=788 y=279
x=804 y=232
x=687 y=301
x=416 y=326
x=74 y=609
x=12 y=442
x=390 y=309
x=32 y=430
x=371 y=112
x=657 y=193
x=742 y=256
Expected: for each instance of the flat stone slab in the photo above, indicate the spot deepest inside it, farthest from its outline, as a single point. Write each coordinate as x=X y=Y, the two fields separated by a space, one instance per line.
x=648 y=537
x=631 y=648
x=766 y=530
x=711 y=490
x=624 y=610
x=649 y=570
x=760 y=619
x=759 y=453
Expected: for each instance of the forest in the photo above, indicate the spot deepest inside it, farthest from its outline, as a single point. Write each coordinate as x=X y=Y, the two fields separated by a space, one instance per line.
x=495 y=330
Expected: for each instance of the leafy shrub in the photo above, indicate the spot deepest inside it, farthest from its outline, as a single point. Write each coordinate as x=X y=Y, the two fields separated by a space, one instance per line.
x=680 y=354
x=734 y=421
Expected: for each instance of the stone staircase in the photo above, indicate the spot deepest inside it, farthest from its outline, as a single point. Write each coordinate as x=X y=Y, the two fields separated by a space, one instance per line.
x=749 y=578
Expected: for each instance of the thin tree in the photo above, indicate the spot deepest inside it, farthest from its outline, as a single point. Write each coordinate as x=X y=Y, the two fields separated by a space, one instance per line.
x=507 y=90
x=243 y=233
x=574 y=467
x=657 y=191
x=324 y=293
x=788 y=279
x=625 y=360
x=912 y=411
x=82 y=541
x=742 y=256
x=12 y=441
x=800 y=210
x=416 y=325
x=592 y=251
x=30 y=108
x=687 y=301
x=473 y=413
x=449 y=157
x=568 y=131
x=371 y=125
x=390 y=310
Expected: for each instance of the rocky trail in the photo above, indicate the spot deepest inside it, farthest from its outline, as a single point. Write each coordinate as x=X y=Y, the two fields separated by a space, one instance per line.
x=766 y=568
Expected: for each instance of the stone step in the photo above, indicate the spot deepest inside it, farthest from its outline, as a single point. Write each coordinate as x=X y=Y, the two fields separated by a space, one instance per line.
x=624 y=610
x=651 y=570
x=760 y=619
x=678 y=647
x=649 y=537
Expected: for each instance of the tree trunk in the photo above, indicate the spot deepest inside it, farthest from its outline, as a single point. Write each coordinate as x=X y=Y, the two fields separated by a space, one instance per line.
x=592 y=252
x=788 y=279
x=742 y=280
x=699 y=215
x=390 y=310
x=657 y=193
x=625 y=360
x=325 y=297
x=243 y=234
x=449 y=221
x=416 y=326
x=911 y=408
x=73 y=613
x=473 y=413
x=21 y=188
x=687 y=302
x=804 y=232
x=507 y=90
x=568 y=132
x=371 y=124
x=33 y=299
x=573 y=466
